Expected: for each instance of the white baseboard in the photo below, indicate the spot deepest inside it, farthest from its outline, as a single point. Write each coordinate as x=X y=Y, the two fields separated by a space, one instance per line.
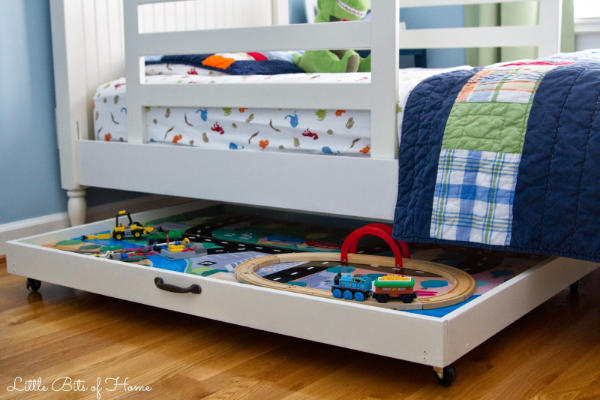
x=52 y=222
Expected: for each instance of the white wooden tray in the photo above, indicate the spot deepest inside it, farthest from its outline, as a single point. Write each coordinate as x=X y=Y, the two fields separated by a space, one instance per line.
x=418 y=338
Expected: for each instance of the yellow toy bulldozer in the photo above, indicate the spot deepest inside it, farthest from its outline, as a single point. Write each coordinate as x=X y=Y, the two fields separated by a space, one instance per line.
x=134 y=229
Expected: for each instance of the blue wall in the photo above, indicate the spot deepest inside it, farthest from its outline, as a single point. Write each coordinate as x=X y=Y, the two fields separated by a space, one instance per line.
x=437 y=17
x=297 y=15
x=29 y=181
x=30 y=178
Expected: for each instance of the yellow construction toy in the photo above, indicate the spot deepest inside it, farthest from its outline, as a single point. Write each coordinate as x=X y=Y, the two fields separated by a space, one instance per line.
x=179 y=246
x=135 y=229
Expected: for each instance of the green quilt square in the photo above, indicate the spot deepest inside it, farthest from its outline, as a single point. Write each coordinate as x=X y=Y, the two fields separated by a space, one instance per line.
x=496 y=127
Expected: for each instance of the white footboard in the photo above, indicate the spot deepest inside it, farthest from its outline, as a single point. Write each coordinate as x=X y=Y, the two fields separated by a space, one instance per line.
x=380 y=96
x=74 y=53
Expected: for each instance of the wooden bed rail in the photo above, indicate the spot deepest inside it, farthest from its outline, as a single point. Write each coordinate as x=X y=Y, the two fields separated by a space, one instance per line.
x=381 y=34
x=380 y=96
x=279 y=9
x=88 y=50
x=263 y=38
x=545 y=34
x=435 y=3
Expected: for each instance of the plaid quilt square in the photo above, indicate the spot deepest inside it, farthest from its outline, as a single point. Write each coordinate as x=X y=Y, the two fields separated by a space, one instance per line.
x=474 y=195
x=504 y=84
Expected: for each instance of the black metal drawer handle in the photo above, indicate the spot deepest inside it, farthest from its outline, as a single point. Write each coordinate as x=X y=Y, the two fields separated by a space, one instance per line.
x=160 y=283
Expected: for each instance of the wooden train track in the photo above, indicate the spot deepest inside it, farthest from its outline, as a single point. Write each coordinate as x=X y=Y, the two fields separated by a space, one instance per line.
x=463 y=283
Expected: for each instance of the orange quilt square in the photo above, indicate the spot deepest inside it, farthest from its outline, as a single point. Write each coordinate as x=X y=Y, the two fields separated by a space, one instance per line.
x=217 y=61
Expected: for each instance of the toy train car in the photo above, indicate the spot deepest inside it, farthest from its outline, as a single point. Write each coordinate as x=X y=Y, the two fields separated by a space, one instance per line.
x=394 y=287
x=386 y=287
x=351 y=287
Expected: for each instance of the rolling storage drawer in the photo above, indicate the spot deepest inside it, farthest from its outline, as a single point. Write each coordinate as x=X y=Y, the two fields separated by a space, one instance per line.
x=435 y=341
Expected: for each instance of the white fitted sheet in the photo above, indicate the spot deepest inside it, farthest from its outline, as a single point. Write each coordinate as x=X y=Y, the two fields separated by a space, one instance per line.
x=344 y=132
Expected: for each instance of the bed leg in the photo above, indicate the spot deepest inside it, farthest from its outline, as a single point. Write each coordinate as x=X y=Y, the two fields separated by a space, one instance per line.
x=76 y=206
x=445 y=376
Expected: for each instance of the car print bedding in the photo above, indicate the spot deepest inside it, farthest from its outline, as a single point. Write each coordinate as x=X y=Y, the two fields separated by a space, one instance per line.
x=329 y=132
x=506 y=157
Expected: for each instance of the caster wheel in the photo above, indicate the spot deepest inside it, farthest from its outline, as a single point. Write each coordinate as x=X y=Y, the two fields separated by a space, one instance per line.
x=33 y=285
x=574 y=289
x=445 y=376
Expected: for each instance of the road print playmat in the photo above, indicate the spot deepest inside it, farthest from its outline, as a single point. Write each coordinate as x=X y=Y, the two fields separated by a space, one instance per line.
x=211 y=242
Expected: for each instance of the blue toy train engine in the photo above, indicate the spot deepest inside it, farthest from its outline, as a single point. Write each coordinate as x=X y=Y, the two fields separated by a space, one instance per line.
x=351 y=287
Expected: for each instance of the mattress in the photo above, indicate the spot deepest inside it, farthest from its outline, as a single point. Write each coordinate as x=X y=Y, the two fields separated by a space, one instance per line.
x=336 y=132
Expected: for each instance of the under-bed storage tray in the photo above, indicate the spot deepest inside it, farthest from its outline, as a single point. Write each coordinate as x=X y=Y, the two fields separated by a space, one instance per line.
x=403 y=335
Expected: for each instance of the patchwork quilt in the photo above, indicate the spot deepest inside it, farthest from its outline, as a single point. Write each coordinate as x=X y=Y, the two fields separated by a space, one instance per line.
x=506 y=156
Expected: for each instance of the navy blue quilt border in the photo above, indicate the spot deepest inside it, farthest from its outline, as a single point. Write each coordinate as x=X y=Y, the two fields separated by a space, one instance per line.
x=557 y=198
x=553 y=169
x=427 y=111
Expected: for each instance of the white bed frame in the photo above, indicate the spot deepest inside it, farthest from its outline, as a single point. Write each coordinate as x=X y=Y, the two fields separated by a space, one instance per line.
x=91 y=46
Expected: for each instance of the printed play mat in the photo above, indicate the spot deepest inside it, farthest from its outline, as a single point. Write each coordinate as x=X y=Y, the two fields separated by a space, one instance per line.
x=213 y=241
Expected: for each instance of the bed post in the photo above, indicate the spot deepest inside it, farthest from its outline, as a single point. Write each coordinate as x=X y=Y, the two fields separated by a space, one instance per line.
x=280 y=12
x=384 y=78
x=551 y=26
x=135 y=75
x=76 y=206
x=71 y=101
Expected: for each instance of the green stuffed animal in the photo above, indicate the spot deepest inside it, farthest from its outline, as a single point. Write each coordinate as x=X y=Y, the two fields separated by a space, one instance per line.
x=336 y=60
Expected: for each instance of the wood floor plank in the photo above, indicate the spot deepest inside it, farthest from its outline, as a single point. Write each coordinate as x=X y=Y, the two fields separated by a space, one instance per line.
x=575 y=377
x=551 y=353
x=592 y=391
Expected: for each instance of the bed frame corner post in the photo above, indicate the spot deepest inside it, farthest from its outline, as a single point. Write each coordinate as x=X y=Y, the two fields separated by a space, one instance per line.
x=550 y=25
x=135 y=75
x=76 y=206
x=280 y=12
x=384 y=78
x=71 y=100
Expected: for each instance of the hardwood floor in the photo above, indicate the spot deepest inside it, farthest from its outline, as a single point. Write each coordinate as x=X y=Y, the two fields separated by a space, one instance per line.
x=551 y=353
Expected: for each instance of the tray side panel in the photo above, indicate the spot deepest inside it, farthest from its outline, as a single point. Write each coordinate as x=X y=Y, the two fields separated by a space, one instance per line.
x=385 y=332
x=109 y=223
x=482 y=318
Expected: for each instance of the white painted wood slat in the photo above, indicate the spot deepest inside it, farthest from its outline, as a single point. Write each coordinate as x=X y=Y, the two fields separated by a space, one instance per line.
x=353 y=96
x=384 y=79
x=321 y=184
x=472 y=37
x=135 y=72
x=284 y=37
x=550 y=19
x=434 y=3
x=279 y=12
